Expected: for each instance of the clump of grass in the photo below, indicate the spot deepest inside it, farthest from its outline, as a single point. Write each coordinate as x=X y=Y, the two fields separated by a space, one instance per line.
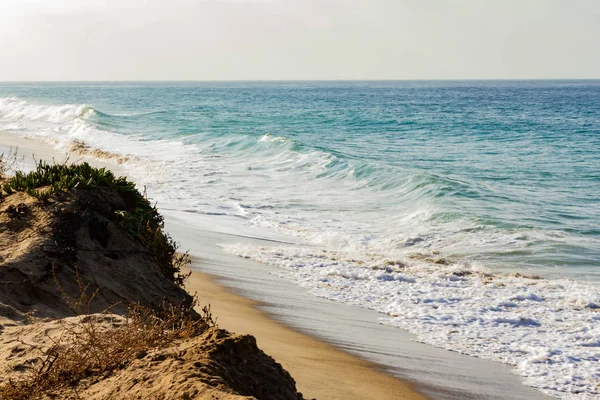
x=140 y=218
x=87 y=350
x=50 y=179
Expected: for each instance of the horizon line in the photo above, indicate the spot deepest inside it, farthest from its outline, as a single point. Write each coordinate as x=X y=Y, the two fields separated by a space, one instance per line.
x=305 y=80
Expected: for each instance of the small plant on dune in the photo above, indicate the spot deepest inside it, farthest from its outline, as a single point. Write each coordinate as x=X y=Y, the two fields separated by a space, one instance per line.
x=89 y=349
x=83 y=303
x=10 y=161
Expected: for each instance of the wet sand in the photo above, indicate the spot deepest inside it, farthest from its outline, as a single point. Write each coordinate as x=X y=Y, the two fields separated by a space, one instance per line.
x=434 y=372
x=320 y=370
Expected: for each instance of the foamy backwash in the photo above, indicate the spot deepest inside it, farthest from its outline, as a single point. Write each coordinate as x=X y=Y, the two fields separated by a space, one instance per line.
x=427 y=201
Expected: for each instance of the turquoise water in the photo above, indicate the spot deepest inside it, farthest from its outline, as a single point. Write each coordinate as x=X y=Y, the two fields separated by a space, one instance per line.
x=379 y=181
x=505 y=174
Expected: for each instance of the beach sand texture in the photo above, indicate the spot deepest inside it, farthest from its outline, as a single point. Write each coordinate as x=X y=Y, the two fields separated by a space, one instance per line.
x=320 y=370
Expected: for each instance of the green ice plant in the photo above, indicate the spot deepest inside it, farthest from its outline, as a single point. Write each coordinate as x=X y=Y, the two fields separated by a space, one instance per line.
x=57 y=178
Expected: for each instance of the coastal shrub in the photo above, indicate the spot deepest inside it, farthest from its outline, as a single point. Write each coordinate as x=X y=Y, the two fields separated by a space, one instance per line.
x=50 y=179
x=140 y=218
x=98 y=344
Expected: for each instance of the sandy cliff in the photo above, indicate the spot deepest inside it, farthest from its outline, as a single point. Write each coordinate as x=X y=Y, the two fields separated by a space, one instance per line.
x=92 y=306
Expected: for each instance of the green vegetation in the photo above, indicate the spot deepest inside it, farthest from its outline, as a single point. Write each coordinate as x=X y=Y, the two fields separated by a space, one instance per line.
x=48 y=180
x=139 y=217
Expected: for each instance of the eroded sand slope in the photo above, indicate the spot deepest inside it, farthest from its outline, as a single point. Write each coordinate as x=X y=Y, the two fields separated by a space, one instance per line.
x=68 y=275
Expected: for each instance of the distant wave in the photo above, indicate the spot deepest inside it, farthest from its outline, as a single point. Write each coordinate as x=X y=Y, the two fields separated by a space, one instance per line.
x=130 y=114
x=298 y=187
x=14 y=109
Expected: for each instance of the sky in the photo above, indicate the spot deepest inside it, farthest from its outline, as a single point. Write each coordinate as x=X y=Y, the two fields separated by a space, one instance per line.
x=298 y=39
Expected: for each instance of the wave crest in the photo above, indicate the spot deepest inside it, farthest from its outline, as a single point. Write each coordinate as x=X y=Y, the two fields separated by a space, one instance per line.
x=13 y=109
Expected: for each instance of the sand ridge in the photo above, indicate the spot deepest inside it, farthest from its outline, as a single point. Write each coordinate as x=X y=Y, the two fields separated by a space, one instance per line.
x=214 y=365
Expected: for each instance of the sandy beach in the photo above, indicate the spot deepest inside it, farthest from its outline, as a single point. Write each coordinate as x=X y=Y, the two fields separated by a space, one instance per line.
x=321 y=371
x=433 y=372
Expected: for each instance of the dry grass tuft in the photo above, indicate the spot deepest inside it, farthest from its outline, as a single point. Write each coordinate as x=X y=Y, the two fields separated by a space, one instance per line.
x=96 y=345
x=10 y=162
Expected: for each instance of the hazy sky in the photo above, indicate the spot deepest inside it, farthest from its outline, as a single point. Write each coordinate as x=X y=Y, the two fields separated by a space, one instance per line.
x=298 y=39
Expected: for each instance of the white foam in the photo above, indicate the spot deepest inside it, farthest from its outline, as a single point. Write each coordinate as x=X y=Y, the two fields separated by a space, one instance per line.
x=547 y=329
x=11 y=108
x=267 y=137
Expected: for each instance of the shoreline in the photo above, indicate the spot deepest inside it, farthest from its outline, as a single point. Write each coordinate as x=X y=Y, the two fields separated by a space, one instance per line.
x=318 y=368
x=435 y=372
x=321 y=370
x=391 y=353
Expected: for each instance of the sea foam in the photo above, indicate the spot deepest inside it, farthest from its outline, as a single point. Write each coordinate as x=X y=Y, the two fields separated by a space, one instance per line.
x=547 y=329
x=11 y=108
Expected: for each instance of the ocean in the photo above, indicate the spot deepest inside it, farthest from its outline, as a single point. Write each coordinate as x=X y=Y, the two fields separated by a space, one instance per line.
x=437 y=203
